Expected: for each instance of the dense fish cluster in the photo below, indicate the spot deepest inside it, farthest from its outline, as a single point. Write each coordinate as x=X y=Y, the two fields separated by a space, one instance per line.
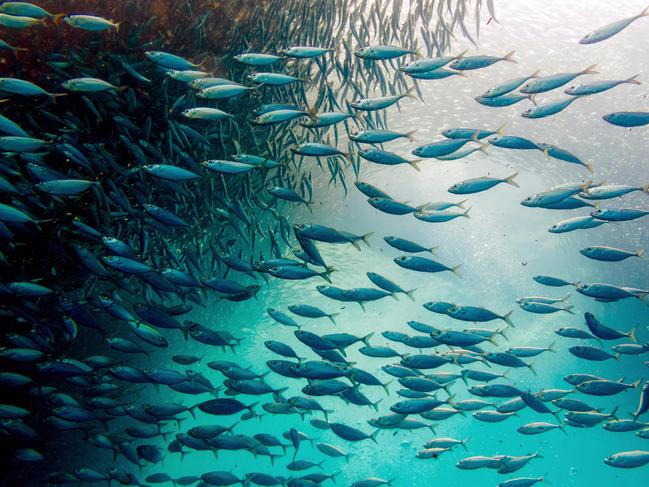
x=139 y=185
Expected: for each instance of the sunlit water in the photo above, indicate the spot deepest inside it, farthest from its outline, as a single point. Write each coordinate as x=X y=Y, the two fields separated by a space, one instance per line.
x=500 y=248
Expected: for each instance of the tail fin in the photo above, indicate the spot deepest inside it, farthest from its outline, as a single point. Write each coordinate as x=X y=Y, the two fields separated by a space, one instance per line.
x=463 y=443
x=614 y=413
x=461 y=55
x=373 y=436
x=366 y=339
x=590 y=70
x=466 y=212
x=640 y=253
x=568 y=309
x=510 y=57
x=510 y=180
x=414 y=164
x=644 y=13
x=633 y=79
x=507 y=318
x=366 y=238
x=501 y=130
x=531 y=367
x=632 y=336
x=456 y=270
x=432 y=250
x=551 y=347
x=410 y=135
x=410 y=92
x=535 y=74
x=331 y=316
x=411 y=293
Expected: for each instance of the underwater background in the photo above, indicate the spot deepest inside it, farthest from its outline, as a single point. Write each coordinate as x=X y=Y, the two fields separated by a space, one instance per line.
x=501 y=246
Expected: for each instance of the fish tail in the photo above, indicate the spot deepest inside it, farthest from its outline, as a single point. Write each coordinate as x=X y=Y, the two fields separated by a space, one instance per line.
x=533 y=100
x=411 y=293
x=414 y=164
x=645 y=188
x=501 y=332
x=366 y=339
x=466 y=212
x=551 y=347
x=411 y=135
x=532 y=369
x=640 y=253
x=614 y=413
x=507 y=318
x=589 y=167
x=331 y=316
x=632 y=80
x=57 y=18
x=386 y=385
x=366 y=238
x=510 y=180
x=592 y=69
x=394 y=296
x=632 y=336
x=645 y=12
x=326 y=274
x=410 y=92
x=432 y=250
x=373 y=435
x=510 y=57
x=535 y=74
x=568 y=309
x=456 y=270
x=501 y=130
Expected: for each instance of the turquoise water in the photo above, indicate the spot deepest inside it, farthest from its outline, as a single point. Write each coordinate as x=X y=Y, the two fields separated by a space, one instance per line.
x=501 y=247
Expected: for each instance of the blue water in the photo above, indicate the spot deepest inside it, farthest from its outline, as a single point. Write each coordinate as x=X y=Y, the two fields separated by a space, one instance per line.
x=500 y=247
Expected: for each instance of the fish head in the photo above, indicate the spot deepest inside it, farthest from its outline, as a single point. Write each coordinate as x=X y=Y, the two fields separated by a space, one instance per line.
x=529 y=112
x=586 y=251
x=401 y=258
x=530 y=200
x=557 y=227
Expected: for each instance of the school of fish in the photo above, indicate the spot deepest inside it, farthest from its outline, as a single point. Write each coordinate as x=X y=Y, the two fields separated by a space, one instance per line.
x=138 y=185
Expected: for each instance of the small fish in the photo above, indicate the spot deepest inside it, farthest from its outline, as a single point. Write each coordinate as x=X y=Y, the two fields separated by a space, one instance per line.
x=611 y=29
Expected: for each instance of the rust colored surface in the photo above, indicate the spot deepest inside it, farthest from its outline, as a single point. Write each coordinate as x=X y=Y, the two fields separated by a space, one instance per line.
x=196 y=29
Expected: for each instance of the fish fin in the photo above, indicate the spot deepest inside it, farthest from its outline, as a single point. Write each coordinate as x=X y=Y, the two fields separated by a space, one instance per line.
x=360 y=303
x=632 y=336
x=531 y=367
x=394 y=296
x=510 y=57
x=635 y=384
x=590 y=70
x=645 y=12
x=456 y=270
x=373 y=435
x=466 y=212
x=331 y=316
x=355 y=244
x=117 y=24
x=432 y=427
x=325 y=275
x=645 y=188
x=411 y=293
x=535 y=74
x=461 y=55
x=501 y=130
x=57 y=18
x=614 y=413
x=551 y=347
x=510 y=180
x=589 y=167
x=365 y=238
x=640 y=253
x=562 y=427
x=410 y=91
x=432 y=250
x=366 y=339
x=507 y=318
x=632 y=80
x=410 y=135
x=414 y=164
x=386 y=385
x=568 y=309
x=533 y=100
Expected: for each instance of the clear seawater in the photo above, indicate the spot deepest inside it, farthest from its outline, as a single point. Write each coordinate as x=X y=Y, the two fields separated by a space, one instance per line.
x=500 y=248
